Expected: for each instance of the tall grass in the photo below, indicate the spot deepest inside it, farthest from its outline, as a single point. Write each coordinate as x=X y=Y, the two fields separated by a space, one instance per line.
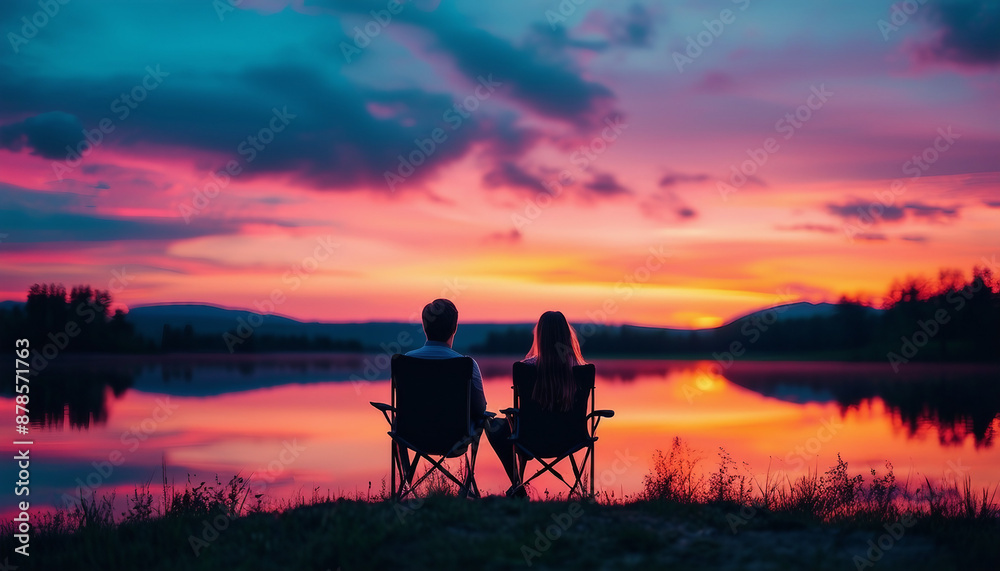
x=835 y=495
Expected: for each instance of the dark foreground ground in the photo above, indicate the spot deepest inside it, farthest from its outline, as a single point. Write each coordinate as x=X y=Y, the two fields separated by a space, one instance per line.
x=500 y=533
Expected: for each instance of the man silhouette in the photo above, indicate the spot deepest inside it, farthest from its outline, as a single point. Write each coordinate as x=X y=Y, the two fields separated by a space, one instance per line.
x=440 y=320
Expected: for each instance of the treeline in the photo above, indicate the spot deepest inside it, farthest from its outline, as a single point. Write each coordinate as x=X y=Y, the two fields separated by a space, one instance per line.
x=950 y=318
x=56 y=321
x=175 y=339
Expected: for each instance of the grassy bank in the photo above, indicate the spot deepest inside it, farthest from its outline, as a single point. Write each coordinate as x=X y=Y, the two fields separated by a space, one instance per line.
x=684 y=519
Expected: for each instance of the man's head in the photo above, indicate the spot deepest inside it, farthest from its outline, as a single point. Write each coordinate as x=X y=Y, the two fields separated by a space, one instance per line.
x=440 y=320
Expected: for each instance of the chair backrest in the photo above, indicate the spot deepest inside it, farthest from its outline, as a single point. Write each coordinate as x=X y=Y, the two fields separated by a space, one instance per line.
x=431 y=397
x=548 y=433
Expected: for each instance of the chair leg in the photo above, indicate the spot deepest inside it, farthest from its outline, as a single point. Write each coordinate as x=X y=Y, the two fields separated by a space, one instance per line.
x=392 y=472
x=406 y=471
x=593 y=458
x=470 y=489
x=577 y=473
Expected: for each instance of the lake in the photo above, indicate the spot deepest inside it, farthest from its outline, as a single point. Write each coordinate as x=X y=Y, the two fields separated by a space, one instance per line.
x=301 y=426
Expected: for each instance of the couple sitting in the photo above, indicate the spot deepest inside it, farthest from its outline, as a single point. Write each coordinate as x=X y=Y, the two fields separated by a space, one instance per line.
x=554 y=351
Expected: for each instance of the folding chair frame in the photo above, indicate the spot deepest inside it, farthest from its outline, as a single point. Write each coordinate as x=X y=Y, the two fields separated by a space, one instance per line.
x=407 y=470
x=522 y=455
x=469 y=445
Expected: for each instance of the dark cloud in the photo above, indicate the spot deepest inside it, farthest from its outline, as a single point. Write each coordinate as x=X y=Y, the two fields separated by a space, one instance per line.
x=968 y=31
x=921 y=210
x=914 y=238
x=333 y=138
x=538 y=74
x=635 y=29
x=992 y=203
x=47 y=134
x=550 y=86
x=510 y=175
x=870 y=237
x=514 y=236
x=864 y=210
x=824 y=228
x=605 y=184
x=667 y=206
x=673 y=179
x=345 y=134
x=64 y=217
x=552 y=42
x=877 y=212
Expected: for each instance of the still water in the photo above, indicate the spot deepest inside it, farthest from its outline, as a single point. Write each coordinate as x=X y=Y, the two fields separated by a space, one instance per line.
x=300 y=425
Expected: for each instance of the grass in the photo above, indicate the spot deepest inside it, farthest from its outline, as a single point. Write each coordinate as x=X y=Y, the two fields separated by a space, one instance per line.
x=683 y=519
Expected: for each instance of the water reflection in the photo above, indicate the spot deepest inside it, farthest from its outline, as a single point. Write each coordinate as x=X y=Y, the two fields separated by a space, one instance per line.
x=78 y=396
x=957 y=400
x=236 y=414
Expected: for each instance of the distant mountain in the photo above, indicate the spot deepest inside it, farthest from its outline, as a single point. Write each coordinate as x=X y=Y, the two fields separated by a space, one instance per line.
x=205 y=319
x=212 y=320
x=797 y=310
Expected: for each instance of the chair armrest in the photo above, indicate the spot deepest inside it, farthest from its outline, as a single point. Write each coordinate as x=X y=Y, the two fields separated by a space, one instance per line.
x=385 y=408
x=605 y=413
x=481 y=422
x=382 y=406
x=509 y=411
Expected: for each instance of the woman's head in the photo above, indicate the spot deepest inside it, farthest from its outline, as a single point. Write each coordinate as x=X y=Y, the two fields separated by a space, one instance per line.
x=556 y=350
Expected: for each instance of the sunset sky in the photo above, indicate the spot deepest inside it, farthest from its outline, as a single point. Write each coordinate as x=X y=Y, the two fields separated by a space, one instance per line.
x=659 y=163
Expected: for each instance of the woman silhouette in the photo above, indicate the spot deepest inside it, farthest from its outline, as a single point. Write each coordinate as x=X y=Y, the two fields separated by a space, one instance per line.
x=554 y=352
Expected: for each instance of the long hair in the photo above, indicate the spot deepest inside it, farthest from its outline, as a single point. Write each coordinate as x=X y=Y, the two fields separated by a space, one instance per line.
x=556 y=350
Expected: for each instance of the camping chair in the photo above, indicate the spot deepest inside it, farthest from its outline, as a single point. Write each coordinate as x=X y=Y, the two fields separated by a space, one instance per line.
x=552 y=436
x=429 y=416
